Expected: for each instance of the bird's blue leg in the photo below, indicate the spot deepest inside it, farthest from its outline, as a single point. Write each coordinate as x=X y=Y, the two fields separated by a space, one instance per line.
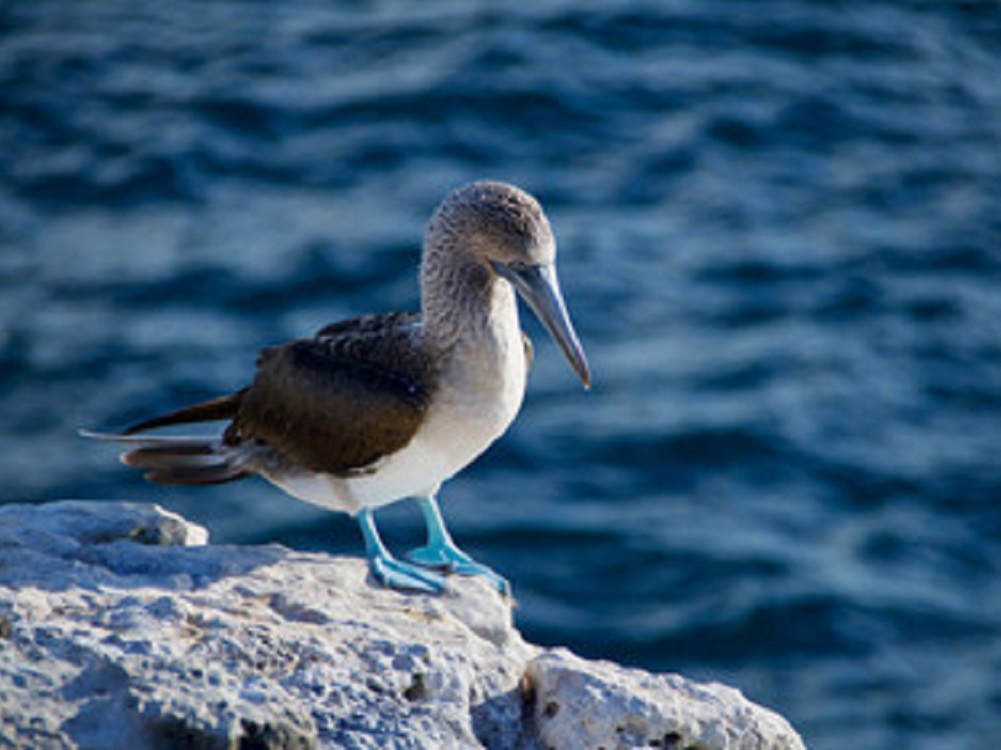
x=389 y=571
x=441 y=552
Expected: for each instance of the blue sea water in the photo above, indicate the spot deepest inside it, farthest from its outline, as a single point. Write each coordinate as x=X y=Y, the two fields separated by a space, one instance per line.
x=780 y=234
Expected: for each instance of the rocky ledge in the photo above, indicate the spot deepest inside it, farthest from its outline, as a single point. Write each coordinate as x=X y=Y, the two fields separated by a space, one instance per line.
x=121 y=627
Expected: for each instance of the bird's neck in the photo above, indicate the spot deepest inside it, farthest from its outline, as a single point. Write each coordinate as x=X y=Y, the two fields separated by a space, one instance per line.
x=466 y=308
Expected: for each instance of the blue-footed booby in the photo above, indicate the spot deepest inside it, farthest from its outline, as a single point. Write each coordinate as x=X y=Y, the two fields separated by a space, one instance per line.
x=385 y=407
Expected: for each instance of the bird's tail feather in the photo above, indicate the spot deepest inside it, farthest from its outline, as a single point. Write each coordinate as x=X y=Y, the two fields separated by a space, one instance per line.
x=183 y=460
x=218 y=409
x=179 y=459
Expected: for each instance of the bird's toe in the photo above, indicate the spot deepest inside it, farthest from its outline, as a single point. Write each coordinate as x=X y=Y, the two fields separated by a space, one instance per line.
x=402 y=576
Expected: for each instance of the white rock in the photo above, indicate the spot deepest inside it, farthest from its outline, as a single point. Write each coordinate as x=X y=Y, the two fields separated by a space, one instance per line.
x=593 y=704
x=120 y=627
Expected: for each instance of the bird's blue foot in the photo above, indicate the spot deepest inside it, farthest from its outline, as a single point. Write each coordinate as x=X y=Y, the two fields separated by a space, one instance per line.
x=396 y=574
x=441 y=552
x=446 y=556
x=389 y=571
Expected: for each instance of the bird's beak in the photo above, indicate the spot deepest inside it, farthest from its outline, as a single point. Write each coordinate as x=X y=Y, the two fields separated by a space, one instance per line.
x=540 y=288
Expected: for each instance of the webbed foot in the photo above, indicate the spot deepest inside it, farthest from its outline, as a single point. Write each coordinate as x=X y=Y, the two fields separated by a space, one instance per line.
x=441 y=553
x=396 y=574
x=389 y=571
x=451 y=559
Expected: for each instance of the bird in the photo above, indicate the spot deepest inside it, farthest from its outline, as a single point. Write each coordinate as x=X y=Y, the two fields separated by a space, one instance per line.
x=384 y=407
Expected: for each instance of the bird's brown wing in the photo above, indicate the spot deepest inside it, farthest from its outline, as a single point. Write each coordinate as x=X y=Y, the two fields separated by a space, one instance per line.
x=340 y=401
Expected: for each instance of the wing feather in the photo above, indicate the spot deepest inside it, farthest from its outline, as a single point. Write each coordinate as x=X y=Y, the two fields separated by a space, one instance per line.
x=340 y=401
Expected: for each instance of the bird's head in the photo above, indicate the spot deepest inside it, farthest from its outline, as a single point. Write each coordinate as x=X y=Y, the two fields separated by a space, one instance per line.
x=505 y=230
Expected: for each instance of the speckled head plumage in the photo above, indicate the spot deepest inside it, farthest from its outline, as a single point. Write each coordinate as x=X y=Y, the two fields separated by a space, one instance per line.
x=486 y=233
x=492 y=222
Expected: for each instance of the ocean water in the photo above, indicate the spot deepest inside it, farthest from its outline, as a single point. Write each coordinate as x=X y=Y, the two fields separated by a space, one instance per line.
x=780 y=236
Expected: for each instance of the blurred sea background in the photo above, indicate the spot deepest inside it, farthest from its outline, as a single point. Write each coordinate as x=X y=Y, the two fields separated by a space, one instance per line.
x=780 y=233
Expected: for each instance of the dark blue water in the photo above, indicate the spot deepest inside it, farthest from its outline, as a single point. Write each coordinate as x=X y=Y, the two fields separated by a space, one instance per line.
x=780 y=226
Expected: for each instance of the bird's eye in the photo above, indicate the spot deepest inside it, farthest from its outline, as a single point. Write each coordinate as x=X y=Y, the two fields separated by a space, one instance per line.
x=518 y=266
